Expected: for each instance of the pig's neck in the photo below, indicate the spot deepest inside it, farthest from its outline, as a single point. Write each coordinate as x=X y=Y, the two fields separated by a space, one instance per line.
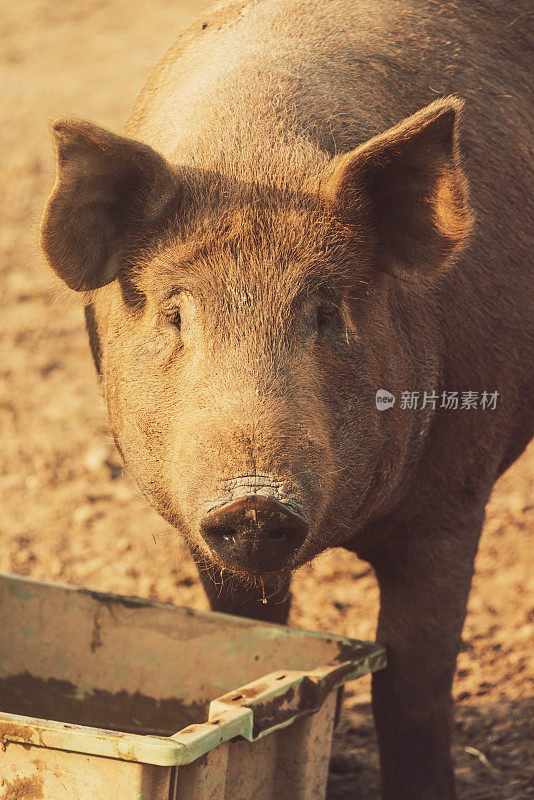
x=272 y=126
x=261 y=143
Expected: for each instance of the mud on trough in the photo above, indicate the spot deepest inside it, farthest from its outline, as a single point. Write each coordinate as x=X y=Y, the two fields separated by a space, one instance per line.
x=69 y=513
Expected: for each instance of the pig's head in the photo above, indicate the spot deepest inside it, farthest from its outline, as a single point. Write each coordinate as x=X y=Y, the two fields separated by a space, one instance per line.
x=242 y=329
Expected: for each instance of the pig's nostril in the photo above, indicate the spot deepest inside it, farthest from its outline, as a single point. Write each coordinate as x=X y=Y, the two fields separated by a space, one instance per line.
x=223 y=532
x=276 y=536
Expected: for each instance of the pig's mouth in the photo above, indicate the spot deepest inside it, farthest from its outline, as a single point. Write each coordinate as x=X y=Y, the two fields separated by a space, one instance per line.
x=255 y=532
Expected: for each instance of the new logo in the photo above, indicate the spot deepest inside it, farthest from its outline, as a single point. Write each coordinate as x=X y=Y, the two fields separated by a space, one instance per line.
x=384 y=400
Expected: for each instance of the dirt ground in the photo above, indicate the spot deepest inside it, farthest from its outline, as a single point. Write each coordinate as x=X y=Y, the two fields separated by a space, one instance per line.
x=68 y=512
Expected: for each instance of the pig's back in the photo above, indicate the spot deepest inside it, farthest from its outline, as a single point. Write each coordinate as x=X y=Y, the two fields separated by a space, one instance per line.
x=335 y=73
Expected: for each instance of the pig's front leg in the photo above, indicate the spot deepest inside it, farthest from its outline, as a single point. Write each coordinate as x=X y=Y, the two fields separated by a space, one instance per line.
x=424 y=577
x=228 y=593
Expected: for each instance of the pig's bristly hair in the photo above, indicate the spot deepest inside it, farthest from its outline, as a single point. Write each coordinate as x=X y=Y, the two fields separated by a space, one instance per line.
x=252 y=235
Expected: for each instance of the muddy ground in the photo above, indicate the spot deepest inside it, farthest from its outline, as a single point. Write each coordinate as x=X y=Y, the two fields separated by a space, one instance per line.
x=68 y=512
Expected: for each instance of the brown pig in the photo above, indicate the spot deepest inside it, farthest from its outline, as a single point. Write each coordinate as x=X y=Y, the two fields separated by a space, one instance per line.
x=285 y=236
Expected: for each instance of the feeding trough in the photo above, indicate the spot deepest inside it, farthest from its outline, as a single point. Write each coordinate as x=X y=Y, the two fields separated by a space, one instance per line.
x=118 y=698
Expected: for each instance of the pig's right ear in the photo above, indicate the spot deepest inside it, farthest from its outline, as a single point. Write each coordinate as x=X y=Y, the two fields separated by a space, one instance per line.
x=108 y=189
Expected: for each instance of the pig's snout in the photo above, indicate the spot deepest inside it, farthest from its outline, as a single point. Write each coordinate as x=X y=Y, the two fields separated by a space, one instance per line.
x=254 y=533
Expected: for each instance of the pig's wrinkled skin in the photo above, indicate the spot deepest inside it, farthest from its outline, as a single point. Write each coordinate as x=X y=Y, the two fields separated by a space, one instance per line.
x=276 y=252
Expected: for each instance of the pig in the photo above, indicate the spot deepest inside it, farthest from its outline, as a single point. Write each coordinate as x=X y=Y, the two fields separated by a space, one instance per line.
x=292 y=224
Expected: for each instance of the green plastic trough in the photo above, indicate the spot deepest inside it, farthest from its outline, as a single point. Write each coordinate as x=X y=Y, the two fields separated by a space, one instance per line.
x=104 y=697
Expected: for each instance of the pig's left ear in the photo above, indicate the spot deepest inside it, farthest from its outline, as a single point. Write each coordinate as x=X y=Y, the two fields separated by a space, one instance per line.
x=109 y=189
x=408 y=187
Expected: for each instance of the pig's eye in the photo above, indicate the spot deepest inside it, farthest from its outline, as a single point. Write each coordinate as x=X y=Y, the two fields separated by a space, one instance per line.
x=326 y=315
x=175 y=318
